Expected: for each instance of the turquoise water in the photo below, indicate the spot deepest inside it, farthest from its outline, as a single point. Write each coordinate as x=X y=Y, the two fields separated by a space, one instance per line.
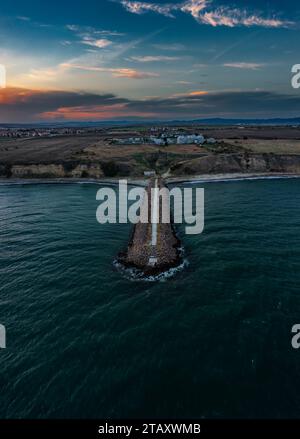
x=214 y=341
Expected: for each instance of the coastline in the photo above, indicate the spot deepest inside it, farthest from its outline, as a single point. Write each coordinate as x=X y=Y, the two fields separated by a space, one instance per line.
x=225 y=177
x=102 y=181
x=201 y=178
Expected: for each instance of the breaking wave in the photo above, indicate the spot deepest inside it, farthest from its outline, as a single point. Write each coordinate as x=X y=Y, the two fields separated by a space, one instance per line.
x=134 y=274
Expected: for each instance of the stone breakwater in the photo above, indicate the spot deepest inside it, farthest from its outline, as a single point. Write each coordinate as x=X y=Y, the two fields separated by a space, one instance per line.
x=142 y=254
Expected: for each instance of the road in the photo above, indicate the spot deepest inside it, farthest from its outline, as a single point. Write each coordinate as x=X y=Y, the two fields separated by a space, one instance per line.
x=155 y=214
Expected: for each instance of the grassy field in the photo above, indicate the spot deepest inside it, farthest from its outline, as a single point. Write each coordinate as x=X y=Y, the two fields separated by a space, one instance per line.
x=97 y=147
x=276 y=146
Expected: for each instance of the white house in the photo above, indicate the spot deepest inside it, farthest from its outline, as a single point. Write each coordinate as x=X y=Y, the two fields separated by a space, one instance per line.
x=190 y=139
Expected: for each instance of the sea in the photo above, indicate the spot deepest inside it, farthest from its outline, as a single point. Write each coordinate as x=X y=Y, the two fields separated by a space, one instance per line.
x=85 y=339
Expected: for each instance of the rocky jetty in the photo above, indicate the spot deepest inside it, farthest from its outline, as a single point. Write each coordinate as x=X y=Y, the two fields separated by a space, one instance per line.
x=153 y=248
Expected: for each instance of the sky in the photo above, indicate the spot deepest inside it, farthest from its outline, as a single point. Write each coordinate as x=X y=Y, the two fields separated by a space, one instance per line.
x=134 y=60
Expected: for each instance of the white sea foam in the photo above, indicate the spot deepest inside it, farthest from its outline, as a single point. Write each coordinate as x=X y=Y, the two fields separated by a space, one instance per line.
x=134 y=274
x=239 y=178
x=212 y=179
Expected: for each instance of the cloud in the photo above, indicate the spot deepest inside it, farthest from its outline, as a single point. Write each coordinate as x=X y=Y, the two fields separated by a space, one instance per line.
x=203 y=13
x=99 y=43
x=18 y=104
x=198 y=93
x=168 y=47
x=145 y=59
x=137 y=7
x=244 y=65
x=23 y=18
x=116 y=72
x=184 y=82
x=66 y=43
x=194 y=7
x=234 y=17
x=90 y=36
x=48 y=77
x=47 y=74
x=133 y=74
x=89 y=30
x=21 y=105
x=219 y=104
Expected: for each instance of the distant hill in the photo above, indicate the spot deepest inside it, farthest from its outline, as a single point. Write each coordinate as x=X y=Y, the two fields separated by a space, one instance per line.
x=220 y=121
x=134 y=122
